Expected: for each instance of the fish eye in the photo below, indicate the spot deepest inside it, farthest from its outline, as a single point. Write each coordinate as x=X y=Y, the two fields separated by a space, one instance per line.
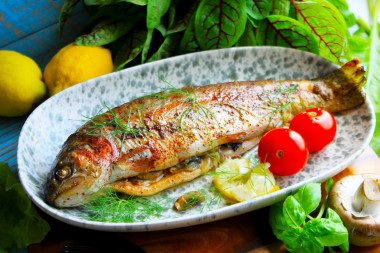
x=62 y=173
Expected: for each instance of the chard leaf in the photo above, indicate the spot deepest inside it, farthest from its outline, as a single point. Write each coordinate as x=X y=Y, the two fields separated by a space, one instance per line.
x=258 y=9
x=168 y=48
x=294 y=214
x=188 y=42
x=105 y=33
x=220 y=23
x=281 y=7
x=132 y=46
x=342 y=6
x=277 y=30
x=67 y=9
x=146 y=46
x=309 y=197
x=183 y=23
x=248 y=38
x=156 y=9
x=329 y=33
x=19 y=221
x=326 y=231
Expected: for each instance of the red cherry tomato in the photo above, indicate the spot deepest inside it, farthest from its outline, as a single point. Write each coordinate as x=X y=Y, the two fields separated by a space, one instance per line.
x=317 y=126
x=285 y=150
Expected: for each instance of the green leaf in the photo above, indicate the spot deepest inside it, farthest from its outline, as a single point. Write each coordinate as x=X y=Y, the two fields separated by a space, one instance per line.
x=137 y=2
x=168 y=48
x=334 y=217
x=276 y=219
x=67 y=9
x=292 y=238
x=183 y=23
x=132 y=46
x=156 y=9
x=220 y=23
x=248 y=38
x=19 y=221
x=146 y=46
x=105 y=33
x=329 y=184
x=281 y=7
x=278 y=30
x=329 y=33
x=294 y=214
x=188 y=42
x=326 y=231
x=309 y=196
x=258 y=9
x=342 y=6
x=373 y=79
x=309 y=244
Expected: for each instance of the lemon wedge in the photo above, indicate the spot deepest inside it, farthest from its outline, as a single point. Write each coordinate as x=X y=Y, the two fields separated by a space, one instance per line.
x=237 y=181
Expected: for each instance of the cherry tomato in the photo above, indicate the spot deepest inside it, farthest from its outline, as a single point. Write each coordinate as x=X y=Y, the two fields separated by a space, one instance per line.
x=317 y=126
x=285 y=150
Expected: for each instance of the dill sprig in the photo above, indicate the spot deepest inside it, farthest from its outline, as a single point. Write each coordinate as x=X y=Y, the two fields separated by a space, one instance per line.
x=114 y=207
x=100 y=122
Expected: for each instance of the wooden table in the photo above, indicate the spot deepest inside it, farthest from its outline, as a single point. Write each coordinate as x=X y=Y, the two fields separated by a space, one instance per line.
x=249 y=232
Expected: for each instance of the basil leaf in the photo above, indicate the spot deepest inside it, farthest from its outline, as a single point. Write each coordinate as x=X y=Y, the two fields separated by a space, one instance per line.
x=309 y=196
x=258 y=9
x=328 y=32
x=375 y=142
x=329 y=184
x=168 y=47
x=282 y=31
x=309 y=244
x=294 y=214
x=292 y=238
x=326 y=231
x=334 y=217
x=219 y=23
x=133 y=45
x=276 y=219
x=105 y=33
x=67 y=9
x=156 y=9
x=188 y=42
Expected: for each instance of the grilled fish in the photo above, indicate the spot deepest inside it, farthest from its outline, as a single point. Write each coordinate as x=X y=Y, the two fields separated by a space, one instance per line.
x=159 y=141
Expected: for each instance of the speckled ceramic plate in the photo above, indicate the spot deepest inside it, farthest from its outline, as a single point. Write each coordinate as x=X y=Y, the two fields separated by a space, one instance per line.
x=52 y=122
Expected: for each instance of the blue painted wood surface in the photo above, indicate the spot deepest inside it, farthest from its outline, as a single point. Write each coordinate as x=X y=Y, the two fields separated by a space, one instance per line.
x=31 y=28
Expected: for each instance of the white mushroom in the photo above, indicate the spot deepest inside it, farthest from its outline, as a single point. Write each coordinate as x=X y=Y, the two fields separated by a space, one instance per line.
x=356 y=199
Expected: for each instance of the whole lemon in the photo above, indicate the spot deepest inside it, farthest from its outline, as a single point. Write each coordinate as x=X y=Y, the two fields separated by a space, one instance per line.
x=21 y=85
x=74 y=64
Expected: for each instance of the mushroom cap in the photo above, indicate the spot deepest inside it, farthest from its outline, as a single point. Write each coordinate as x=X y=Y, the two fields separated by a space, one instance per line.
x=362 y=230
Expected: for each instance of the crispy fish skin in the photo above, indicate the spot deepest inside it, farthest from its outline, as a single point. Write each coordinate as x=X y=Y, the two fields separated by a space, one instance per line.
x=174 y=127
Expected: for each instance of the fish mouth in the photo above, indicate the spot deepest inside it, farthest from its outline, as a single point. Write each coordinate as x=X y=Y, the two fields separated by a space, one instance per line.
x=59 y=193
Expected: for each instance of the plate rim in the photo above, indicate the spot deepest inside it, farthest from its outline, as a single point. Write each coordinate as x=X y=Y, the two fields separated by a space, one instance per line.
x=189 y=220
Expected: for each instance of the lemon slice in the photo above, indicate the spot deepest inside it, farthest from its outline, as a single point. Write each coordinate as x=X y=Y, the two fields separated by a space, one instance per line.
x=237 y=181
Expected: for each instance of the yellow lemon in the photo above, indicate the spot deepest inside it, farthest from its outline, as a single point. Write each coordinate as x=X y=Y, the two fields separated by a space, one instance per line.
x=74 y=64
x=21 y=85
x=237 y=181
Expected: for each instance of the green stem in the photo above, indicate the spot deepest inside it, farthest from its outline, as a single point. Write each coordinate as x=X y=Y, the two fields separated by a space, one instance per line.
x=371 y=8
x=364 y=25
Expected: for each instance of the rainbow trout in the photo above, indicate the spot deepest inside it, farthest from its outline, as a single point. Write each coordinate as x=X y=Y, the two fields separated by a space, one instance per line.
x=159 y=141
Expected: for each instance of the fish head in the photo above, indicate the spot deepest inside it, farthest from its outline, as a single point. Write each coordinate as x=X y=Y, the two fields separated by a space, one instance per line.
x=79 y=172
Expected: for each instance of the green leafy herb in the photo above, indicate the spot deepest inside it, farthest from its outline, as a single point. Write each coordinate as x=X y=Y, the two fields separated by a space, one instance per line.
x=292 y=223
x=20 y=223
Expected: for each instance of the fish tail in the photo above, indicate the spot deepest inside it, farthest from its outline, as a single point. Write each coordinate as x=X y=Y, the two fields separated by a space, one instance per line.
x=342 y=88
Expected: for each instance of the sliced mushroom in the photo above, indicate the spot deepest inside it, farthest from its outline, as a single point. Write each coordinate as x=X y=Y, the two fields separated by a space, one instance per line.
x=356 y=199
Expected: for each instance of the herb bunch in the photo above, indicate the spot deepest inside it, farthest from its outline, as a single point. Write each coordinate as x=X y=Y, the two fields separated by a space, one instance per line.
x=292 y=223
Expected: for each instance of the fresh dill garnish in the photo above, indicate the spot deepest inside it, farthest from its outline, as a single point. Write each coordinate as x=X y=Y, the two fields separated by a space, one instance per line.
x=115 y=207
x=101 y=122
